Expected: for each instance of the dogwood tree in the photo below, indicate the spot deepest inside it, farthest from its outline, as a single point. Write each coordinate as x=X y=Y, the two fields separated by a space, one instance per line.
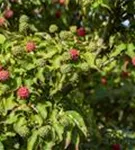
x=67 y=74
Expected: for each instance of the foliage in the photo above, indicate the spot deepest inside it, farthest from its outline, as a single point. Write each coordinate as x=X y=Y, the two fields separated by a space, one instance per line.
x=68 y=80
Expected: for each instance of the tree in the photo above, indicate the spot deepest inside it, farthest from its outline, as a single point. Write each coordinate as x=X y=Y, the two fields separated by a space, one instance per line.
x=67 y=74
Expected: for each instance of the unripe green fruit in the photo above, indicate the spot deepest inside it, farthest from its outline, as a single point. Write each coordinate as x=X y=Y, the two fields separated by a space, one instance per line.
x=23 y=18
x=65 y=35
x=73 y=29
x=53 y=28
x=17 y=51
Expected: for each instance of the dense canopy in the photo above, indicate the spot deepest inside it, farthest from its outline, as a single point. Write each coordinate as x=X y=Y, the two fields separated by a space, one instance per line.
x=67 y=74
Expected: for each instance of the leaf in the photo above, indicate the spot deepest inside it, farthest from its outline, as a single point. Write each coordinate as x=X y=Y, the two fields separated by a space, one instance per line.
x=76 y=140
x=2 y=38
x=50 y=54
x=9 y=134
x=21 y=127
x=68 y=139
x=37 y=119
x=44 y=131
x=59 y=129
x=32 y=140
x=42 y=45
x=48 y=104
x=42 y=110
x=1 y=146
x=11 y=118
x=57 y=62
x=30 y=66
x=48 y=145
x=77 y=118
x=118 y=49
x=8 y=103
x=130 y=50
x=90 y=59
x=40 y=74
x=18 y=81
x=66 y=68
x=54 y=114
x=28 y=83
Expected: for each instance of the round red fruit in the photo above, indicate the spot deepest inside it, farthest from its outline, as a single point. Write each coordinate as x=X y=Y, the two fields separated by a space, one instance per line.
x=4 y=75
x=2 y=21
x=103 y=80
x=30 y=46
x=74 y=53
x=81 y=32
x=8 y=13
x=23 y=92
x=62 y=2
x=116 y=147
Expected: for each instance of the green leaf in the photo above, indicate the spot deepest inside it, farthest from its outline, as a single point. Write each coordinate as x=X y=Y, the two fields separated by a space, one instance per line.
x=130 y=50
x=37 y=119
x=57 y=62
x=77 y=118
x=21 y=127
x=118 y=49
x=48 y=145
x=76 y=140
x=30 y=66
x=40 y=74
x=44 y=131
x=1 y=146
x=42 y=110
x=11 y=118
x=2 y=38
x=32 y=140
x=59 y=129
x=68 y=139
x=50 y=54
x=28 y=82
x=8 y=103
x=90 y=59
x=18 y=81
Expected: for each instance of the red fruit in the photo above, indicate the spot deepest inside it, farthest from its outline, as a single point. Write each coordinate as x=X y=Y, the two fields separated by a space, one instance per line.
x=74 y=53
x=2 y=21
x=23 y=92
x=116 y=147
x=30 y=46
x=81 y=32
x=58 y=14
x=133 y=61
x=103 y=80
x=8 y=13
x=62 y=2
x=4 y=75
